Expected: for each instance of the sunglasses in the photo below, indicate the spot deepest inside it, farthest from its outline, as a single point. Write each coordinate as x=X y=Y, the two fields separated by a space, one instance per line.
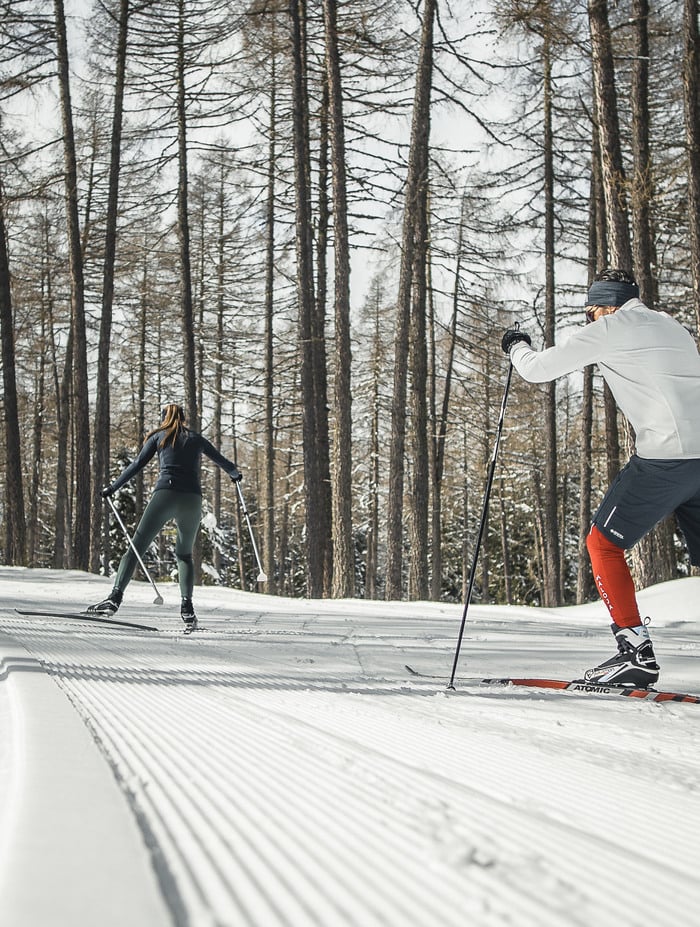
x=590 y=313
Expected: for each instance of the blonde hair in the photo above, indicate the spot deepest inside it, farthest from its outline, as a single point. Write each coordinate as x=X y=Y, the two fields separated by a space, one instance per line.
x=171 y=424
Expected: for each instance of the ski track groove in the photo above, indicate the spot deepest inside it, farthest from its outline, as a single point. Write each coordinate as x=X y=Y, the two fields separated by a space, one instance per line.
x=387 y=913
x=153 y=761
x=190 y=697
x=683 y=826
x=381 y=849
x=246 y=826
x=242 y=814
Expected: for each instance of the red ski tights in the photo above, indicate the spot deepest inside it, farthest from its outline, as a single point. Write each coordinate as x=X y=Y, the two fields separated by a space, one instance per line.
x=613 y=579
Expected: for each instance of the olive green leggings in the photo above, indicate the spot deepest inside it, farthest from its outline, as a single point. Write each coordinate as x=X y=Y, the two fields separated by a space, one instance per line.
x=164 y=505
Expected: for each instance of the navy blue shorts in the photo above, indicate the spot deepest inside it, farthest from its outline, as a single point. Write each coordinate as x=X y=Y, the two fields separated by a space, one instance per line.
x=644 y=493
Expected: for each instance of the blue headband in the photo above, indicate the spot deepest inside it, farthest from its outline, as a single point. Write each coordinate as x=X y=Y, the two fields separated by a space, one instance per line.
x=611 y=293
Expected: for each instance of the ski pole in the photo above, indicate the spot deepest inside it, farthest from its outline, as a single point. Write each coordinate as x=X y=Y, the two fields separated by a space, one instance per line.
x=262 y=576
x=159 y=598
x=482 y=525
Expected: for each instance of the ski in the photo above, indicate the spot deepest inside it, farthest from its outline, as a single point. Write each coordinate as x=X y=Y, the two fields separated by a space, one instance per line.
x=85 y=616
x=579 y=686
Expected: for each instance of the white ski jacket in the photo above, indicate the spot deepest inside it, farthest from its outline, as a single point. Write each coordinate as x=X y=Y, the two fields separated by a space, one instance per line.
x=651 y=365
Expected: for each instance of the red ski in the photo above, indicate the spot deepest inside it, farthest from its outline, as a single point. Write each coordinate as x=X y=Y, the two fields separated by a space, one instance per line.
x=580 y=686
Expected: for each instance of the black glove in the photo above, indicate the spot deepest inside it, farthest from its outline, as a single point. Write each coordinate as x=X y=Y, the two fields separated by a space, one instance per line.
x=513 y=336
x=236 y=475
x=106 y=491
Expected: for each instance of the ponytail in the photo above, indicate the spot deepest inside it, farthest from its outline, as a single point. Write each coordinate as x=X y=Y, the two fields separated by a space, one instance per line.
x=172 y=422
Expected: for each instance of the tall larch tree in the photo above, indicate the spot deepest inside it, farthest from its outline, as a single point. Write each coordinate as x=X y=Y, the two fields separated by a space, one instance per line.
x=341 y=473
x=691 y=99
x=317 y=541
x=414 y=223
x=101 y=452
x=14 y=515
x=80 y=403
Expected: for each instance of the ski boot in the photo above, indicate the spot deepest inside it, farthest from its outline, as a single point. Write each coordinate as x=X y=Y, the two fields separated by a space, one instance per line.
x=109 y=605
x=633 y=665
x=188 y=616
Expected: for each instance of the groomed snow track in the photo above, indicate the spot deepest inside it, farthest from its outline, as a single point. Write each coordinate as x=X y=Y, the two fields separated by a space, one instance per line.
x=281 y=770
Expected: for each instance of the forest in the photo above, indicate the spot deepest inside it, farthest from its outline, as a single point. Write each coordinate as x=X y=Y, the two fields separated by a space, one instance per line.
x=309 y=222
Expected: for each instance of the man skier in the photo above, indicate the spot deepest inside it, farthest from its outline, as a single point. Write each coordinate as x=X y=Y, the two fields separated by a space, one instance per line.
x=651 y=364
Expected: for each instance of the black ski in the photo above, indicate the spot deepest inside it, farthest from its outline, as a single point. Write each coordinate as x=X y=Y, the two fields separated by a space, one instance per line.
x=85 y=616
x=579 y=686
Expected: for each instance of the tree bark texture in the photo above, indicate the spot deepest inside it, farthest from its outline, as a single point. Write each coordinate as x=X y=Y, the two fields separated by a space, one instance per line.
x=183 y=233
x=14 y=515
x=313 y=490
x=80 y=405
x=418 y=586
x=101 y=452
x=614 y=184
x=691 y=99
x=318 y=342
x=552 y=575
x=416 y=186
x=642 y=189
x=268 y=494
x=440 y=426
x=343 y=553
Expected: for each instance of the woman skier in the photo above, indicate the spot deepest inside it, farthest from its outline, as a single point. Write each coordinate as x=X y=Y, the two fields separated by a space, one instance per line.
x=177 y=495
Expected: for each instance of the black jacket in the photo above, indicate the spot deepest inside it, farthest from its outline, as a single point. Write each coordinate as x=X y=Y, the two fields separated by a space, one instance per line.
x=179 y=463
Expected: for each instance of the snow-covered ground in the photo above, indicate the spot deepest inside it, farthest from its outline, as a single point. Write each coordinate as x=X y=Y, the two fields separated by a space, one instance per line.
x=281 y=767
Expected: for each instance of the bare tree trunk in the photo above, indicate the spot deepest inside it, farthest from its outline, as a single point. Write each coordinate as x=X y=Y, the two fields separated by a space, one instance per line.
x=614 y=187
x=552 y=572
x=505 y=548
x=418 y=588
x=485 y=551
x=268 y=546
x=440 y=430
x=14 y=520
x=644 y=251
x=416 y=185
x=62 y=543
x=140 y=494
x=343 y=553
x=585 y=588
x=239 y=514
x=465 y=519
x=81 y=538
x=284 y=583
x=613 y=184
x=584 y=578
x=37 y=444
x=318 y=345
x=183 y=232
x=316 y=539
x=373 y=515
x=101 y=454
x=653 y=559
x=219 y=357
x=691 y=98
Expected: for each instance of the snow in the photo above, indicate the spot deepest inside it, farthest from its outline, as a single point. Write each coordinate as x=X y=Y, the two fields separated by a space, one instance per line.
x=281 y=767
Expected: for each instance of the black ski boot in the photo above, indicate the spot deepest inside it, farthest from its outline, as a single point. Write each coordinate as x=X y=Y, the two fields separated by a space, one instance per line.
x=188 y=616
x=633 y=665
x=109 y=605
